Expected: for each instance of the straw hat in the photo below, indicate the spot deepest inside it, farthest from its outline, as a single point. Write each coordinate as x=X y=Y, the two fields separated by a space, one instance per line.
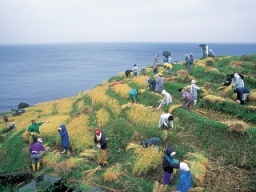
x=160 y=74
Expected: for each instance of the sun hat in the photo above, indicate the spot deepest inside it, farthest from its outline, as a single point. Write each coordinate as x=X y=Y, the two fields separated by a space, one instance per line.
x=193 y=81
x=39 y=140
x=160 y=74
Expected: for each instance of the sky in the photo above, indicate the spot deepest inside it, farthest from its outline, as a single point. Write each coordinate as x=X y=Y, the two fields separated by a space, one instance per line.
x=78 y=21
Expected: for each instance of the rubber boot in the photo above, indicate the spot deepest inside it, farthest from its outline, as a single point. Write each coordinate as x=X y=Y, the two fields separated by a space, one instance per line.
x=195 y=102
x=64 y=151
x=33 y=166
x=38 y=166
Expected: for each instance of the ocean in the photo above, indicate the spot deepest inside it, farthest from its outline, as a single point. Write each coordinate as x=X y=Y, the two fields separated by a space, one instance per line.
x=36 y=73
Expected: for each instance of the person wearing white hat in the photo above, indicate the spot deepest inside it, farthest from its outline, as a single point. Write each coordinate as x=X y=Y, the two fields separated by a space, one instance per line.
x=35 y=150
x=193 y=91
x=167 y=99
x=185 y=178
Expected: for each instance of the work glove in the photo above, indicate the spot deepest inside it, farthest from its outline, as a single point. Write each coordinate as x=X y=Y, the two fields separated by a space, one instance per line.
x=98 y=145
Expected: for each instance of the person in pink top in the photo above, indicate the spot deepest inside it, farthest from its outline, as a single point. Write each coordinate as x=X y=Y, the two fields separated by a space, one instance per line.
x=187 y=97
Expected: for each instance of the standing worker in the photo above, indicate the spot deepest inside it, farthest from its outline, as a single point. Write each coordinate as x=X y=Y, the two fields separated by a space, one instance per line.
x=133 y=95
x=190 y=62
x=135 y=70
x=34 y=130
x=101 y=142
x=64 y=138
x=159 y=83
x=35 y=150
x=193 y=91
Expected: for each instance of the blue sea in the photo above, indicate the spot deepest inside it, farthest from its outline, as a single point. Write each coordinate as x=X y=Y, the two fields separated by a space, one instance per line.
x=36 y=73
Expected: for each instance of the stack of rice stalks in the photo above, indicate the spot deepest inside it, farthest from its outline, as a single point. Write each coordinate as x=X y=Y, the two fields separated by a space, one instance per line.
x=89 y=154
x=252 y=96
x=159 y=187
x=113 y=173
x=236 y=64
x=197 y=163
x=225 y=90
x=214 y=98
x=50 y=160
x=181 y=73
x=237 y=126
x=90 y=172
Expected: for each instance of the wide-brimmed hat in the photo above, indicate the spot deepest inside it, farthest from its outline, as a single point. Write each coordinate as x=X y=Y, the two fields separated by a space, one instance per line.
x=160 y=74
x=193 y=81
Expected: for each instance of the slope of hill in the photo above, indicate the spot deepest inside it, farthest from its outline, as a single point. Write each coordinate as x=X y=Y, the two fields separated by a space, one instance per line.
x=217 y=138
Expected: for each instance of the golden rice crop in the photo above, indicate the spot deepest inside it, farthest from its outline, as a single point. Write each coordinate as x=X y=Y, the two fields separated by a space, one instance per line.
x=67 y=165
x=140 y=81
x=102 y=117
x=236 y=63
x=51 y=159
x=198 y=164
x=113 y=173
x=159 y=187
x=252 y=96
x=237 y=126
x=80 y=104
x=81 y=137
x=145 y=160
x=122 y=90
x=143 y=116
x=98 y=97
x=172 y=107
x=132 y=146
x=213 y=98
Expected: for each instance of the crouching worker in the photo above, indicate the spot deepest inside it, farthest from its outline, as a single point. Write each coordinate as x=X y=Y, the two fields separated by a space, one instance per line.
x=164 y=120
x=133 y=95
x=100 y=141
x=35 y=150
x=167 y=99
x=169 y=163
x=154 y=141
x=184 y=183
x=242 y=94
x=64 y=138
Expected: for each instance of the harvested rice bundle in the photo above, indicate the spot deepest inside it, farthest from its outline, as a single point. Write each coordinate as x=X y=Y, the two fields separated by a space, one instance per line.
x=91 y=154
x=210 y=69
x=213 y=98
x=172 y=107
x=236 y=63
x=113 y=173
x=159 y=187
x=50 y=160
x=198 y=164
x=252 y=96
x=166 y=133
x=237 y=126
x=90 y=172
x=181 y=73
x=133 y=146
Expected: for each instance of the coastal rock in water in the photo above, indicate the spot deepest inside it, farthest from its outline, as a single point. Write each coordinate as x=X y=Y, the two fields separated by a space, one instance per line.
x=22 y=105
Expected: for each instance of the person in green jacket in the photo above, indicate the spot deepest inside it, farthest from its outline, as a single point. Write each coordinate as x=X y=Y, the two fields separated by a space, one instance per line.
x=133 y=95
x=34 y=129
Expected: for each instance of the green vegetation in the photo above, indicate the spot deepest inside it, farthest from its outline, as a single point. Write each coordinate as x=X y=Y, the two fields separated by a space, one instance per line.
x=204 y=130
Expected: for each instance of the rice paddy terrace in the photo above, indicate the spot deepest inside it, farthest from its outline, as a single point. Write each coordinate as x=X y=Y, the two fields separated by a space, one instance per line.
x=217 y=138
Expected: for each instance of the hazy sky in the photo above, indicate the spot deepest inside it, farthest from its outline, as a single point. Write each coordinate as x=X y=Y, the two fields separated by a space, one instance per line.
x=55 y=21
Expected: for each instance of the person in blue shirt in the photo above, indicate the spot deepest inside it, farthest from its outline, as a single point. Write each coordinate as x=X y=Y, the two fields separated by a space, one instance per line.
x=241 y=94
x=133 y=95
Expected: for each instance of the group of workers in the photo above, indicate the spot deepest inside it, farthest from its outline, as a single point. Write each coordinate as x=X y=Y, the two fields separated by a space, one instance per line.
x=237 y=81
x=37 y=147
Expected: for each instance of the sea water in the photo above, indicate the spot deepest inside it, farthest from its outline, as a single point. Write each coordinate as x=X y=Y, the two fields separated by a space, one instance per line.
x=37 y=73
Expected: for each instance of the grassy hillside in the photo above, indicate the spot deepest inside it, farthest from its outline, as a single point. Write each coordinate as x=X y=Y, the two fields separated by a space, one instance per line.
x=218 y=133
